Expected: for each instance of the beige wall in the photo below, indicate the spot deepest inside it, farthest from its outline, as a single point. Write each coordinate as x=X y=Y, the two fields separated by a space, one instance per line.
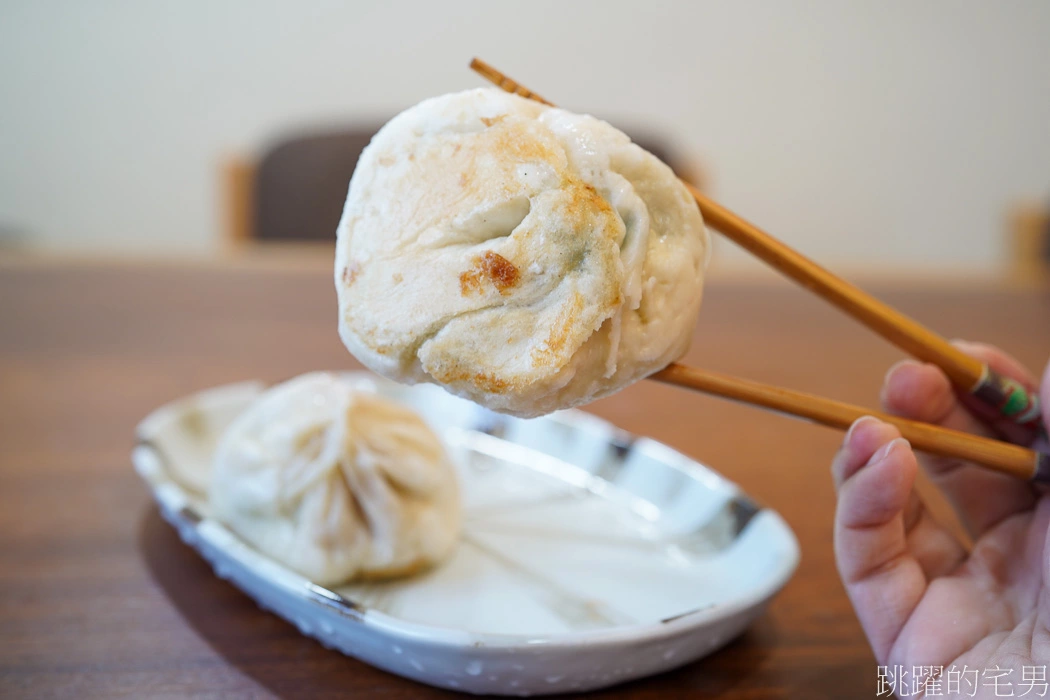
x=867 y=133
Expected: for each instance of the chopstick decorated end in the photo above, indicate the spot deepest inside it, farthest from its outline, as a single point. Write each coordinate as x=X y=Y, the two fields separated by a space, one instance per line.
x=1010 y=399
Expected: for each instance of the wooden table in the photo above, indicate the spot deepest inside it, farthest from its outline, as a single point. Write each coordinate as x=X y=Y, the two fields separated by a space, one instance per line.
x=99 y=598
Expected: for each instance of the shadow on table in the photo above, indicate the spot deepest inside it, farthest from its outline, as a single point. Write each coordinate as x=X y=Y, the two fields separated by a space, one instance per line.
x=273 y=653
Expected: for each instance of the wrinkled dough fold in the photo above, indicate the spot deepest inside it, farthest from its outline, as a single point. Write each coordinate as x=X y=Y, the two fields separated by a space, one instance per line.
x=336 y=483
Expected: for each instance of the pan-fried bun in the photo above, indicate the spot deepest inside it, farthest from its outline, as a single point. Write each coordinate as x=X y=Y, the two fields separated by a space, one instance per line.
x=522 y=256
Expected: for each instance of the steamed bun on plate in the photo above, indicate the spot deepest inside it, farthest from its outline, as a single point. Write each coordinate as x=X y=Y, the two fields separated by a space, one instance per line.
x=336 y=483
x=524 y=257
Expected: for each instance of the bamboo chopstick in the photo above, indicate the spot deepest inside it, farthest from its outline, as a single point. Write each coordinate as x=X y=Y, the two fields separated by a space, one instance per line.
x=1006 y=396
x=968 y=373
x=501 y=81
x=963 y=370
x=1000 y=456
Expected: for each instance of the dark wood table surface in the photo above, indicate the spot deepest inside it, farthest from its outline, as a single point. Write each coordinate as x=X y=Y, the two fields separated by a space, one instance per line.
x=99 y=598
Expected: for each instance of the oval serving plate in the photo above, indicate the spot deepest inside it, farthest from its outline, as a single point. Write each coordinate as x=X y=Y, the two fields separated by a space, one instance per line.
x=588 y=557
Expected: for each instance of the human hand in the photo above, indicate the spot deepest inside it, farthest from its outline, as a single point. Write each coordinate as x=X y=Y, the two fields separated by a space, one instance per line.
x=923 y=597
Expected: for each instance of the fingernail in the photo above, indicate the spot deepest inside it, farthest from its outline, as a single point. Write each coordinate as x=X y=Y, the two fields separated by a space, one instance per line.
x=894 y=369
x=884 y=389
x=856 y=424
x=883 y=452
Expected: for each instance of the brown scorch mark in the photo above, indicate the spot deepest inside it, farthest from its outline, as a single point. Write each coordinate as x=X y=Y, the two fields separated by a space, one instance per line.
x=493 y=267
x=350 y=273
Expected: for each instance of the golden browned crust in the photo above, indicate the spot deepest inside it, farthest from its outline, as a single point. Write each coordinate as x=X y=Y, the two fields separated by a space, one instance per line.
x=491 y=266
x=483 y=380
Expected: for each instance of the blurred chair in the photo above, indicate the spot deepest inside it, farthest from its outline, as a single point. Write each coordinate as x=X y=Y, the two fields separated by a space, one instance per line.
x=296 y=190
x=1029 y=232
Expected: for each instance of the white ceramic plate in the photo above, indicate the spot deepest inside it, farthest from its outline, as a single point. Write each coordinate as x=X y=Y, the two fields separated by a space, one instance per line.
x=588 y=556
